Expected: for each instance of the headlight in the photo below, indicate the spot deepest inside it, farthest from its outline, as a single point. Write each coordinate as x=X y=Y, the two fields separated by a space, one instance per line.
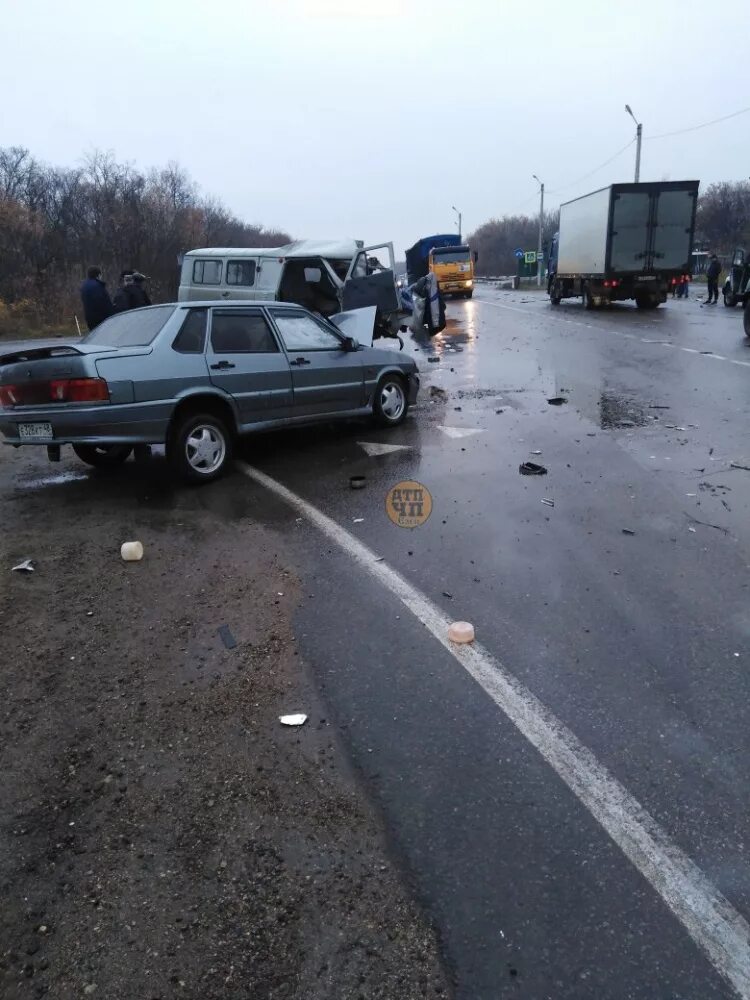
x=468 y=284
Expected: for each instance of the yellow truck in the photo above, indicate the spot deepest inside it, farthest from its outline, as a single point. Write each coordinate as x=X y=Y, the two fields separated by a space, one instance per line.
x=451 y=261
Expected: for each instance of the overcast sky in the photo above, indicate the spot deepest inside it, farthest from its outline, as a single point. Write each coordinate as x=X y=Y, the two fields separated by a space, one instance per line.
x=371 y=118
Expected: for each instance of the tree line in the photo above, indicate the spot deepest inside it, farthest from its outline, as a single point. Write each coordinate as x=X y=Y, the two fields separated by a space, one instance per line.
x=56 y=221
x=722 y=223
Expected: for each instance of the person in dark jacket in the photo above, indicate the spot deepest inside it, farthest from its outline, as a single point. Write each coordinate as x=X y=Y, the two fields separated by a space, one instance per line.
x=138 y=293
x=97 y=305
x=712 y=274
x=131 y=294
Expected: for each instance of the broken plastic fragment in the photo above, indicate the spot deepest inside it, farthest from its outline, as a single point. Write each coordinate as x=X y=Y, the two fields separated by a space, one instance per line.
x=23 y=567
x=357 y=482
x=293 y=720
x=461 y=632
x=531 y=469
x=547 y=502
x=628 y=531
x=557 y=401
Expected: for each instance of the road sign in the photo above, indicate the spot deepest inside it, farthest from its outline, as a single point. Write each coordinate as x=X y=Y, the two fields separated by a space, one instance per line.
x=518 y=253
x=530 y=256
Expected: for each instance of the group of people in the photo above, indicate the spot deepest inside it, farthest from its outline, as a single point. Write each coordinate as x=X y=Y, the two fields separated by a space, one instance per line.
x=98 y=306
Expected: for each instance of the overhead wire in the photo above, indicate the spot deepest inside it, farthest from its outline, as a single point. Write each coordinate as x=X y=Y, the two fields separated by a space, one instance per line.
x=695 y=128
x=596 y=170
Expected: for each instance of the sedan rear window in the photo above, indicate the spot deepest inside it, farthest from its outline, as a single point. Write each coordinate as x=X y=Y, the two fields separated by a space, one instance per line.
x=135 y=328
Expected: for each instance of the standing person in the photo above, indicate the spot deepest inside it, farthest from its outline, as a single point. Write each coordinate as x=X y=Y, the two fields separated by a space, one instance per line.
x=713 y=272
x=97 y=305
x=123 y=296
x=138 y=294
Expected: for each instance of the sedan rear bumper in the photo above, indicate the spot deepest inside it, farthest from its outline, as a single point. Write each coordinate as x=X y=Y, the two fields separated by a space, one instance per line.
x=111 y=424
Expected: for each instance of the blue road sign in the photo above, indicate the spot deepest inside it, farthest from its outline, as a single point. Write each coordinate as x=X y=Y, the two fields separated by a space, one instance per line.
x=518 y=253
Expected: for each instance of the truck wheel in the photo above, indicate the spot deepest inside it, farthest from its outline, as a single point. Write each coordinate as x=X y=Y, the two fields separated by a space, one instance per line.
x=554 y=295
x=746 y=320
x=103 y=456
x=200 y=448
x=646 y=302
x=729 y=300
x=468 y=295
x=588 y=302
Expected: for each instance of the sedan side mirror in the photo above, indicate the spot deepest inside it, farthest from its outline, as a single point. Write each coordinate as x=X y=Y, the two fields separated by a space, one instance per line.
x=349 y=344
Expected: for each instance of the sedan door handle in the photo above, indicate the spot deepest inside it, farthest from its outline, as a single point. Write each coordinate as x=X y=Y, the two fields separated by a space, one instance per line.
x=222 y=365
x=300 y=361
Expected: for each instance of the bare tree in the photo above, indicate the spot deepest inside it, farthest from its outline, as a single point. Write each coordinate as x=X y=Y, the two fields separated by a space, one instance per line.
x=55 y=222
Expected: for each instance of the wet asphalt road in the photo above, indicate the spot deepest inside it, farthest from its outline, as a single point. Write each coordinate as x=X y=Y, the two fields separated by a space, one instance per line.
x=640 y=643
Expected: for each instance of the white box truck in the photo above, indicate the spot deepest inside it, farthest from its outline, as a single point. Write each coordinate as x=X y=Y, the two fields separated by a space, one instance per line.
x=625 y=241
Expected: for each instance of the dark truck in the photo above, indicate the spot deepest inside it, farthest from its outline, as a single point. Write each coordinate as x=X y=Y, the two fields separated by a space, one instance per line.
x=625 y=241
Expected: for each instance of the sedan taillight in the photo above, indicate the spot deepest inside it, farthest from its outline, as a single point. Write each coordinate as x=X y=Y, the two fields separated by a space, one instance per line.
x=61 y=390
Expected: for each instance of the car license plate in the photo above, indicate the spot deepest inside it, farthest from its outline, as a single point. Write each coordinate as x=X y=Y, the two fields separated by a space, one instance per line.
x=34 y=432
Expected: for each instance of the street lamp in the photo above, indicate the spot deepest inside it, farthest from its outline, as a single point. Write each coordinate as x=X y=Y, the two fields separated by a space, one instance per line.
x=638 y=133
x=541 y=225
x=459 y=220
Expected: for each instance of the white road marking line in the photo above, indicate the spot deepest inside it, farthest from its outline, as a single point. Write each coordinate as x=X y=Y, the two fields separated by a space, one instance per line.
x=706 y=914
x=619 y=333
x=460 y=432
x=375 y=448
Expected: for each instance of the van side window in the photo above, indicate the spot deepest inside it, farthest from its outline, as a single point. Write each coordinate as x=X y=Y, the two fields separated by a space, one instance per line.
x=241 y=272
x=192 y=336
x=206 y=272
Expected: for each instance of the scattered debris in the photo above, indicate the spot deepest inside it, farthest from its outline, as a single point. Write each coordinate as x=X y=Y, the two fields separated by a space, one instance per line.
x=225 y=634
x=705 y=524
x=692 y=529
x=547 y=502
x=437 y=393
x=461 y=632
x=357 y=520
x=557 y=401
x=628 y=531
x=500 y=410
x=293 y=720
x=379 y=558
x=537 y=452
x=434 y=360
x=446 y=594
x=736 y=465
x=357 y=482
x=23 y=567
x=131 y=551
x=655 y=406
x=456 y=407
x=532 y=469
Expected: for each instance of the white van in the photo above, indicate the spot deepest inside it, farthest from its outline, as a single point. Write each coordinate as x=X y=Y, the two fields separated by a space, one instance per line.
x=325 y=276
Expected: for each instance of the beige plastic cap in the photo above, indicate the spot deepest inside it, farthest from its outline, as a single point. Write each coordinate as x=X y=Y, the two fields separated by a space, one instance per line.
x=131 y=551
x=461 y=632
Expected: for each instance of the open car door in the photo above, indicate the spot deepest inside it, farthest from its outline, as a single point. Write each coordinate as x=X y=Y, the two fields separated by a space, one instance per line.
x=372 y=282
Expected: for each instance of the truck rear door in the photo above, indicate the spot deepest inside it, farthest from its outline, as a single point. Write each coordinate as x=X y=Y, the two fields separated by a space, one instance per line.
x=673 y=229
x=630 y=231
x=370 y=285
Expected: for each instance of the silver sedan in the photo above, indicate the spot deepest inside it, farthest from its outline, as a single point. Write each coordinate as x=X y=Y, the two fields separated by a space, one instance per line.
x=193 y=376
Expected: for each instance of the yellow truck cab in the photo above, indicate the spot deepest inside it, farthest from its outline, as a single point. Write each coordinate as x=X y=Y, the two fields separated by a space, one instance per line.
x=451 y=261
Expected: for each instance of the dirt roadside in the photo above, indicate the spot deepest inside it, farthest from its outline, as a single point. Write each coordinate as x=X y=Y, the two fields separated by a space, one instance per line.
x=161 y=835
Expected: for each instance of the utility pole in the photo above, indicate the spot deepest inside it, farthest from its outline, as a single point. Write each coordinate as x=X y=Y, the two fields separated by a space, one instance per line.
x=459 y=220
x=539 y=252
x=638 y=137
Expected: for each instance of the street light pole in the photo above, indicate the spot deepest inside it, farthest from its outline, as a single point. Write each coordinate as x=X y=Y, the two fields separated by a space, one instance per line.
x=459 y=220
x=541 y=228
x=638 y=137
